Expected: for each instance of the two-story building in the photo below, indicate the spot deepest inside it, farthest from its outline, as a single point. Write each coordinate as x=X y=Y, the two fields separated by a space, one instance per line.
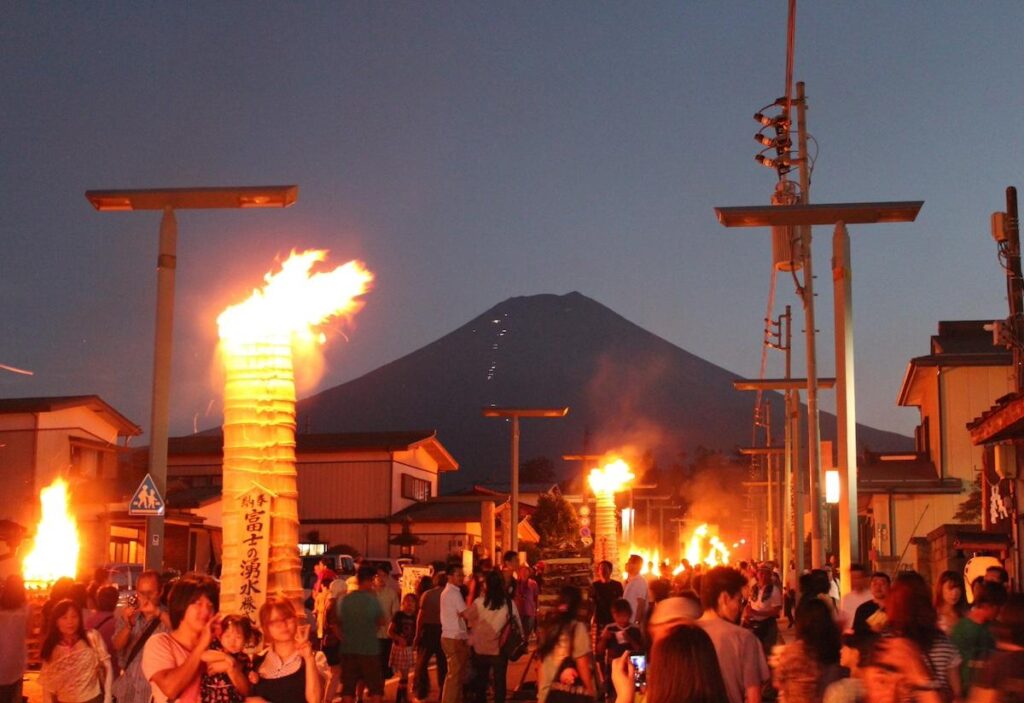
x=911 y=495
x=79 y=438
x=351 y=485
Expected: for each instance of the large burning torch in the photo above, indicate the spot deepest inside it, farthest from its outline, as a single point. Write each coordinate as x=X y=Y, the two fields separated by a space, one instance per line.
x=606 y=482
x=258 y=339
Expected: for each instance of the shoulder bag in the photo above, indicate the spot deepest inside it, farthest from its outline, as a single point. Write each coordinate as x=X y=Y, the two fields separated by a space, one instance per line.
x=512 y=644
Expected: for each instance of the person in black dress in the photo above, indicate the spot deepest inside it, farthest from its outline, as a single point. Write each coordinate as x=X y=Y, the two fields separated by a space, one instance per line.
x=286 y=671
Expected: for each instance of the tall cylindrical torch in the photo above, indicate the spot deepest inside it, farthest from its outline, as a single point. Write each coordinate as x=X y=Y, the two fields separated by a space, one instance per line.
x=606 y=482
x=260 y=494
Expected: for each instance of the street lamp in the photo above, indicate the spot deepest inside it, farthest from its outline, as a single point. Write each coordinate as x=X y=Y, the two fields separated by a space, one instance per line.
x=515 y=414
x=838 y=214
x=168 y=200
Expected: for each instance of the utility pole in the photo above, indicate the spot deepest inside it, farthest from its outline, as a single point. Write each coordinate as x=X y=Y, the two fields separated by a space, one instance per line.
x=794 y=507
x=1015 y=294
x=1015 y=284
x=807 y=295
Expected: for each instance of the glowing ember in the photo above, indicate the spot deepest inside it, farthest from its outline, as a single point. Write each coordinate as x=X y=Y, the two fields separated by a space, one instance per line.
x=258 y=340
x=55 y=547
x=714 y=553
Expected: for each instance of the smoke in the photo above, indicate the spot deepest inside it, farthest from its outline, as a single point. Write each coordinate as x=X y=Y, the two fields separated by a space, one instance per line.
x=715 y=494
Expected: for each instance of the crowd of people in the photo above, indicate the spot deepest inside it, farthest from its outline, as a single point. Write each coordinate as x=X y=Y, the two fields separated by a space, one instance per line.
x=713 y=635
x=705 y=635
x=467 y=624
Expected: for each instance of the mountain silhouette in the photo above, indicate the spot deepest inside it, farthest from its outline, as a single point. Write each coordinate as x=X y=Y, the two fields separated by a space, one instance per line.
x=624 y=386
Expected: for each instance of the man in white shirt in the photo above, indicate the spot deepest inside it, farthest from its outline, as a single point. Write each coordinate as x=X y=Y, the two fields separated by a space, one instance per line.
x=763 y=610
x=454 y=634
x=635 y=589
x=740 y=657
x=860 y=593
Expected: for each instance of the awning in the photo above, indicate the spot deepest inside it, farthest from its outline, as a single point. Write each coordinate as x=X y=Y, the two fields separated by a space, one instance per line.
x=1001 y=422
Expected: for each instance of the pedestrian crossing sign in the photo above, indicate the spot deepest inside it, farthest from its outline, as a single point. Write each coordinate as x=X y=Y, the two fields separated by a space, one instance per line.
x=147 y=501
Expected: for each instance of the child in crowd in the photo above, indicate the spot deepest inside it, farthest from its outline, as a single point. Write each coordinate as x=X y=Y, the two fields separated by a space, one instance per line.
x=402 y=632
x=616 y=638
x=224 y=681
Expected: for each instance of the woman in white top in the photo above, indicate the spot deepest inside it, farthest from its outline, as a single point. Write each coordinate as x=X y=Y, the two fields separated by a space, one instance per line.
x=565 y=649
x=76 y=665
x=172 y=661
x=488 y=616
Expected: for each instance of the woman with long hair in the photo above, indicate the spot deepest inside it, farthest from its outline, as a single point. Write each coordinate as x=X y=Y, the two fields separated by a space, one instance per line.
x=172 y=661
x=682 y=668
x=14 y=630
x=75 y=663
x=809 y=664
x=286 y=670
x=488 y=617
x=565 y=650
x=950 y=600
x=911 y=615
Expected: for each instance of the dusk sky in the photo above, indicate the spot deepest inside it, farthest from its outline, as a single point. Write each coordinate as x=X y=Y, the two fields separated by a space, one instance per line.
x=473 y=151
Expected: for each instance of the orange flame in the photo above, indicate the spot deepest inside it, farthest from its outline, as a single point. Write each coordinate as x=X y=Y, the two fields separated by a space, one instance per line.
x=716 y=553
x=652 y=560
x=611 y=478
x=293 y=302
x=55 y=547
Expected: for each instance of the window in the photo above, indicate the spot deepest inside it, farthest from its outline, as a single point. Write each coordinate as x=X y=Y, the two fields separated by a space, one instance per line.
x=415 y=488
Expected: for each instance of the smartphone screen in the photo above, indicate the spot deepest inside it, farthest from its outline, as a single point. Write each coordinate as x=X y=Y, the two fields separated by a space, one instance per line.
x=639 y=662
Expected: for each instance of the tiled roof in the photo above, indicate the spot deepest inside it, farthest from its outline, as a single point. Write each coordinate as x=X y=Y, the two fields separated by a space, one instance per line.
x=213 y=443
x=1004 y=420
x=47 y=404
x=908 y=472
x=192 y=498
x=448 y=509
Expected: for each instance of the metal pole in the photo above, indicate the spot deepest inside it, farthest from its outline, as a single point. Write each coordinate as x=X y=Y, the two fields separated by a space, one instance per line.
x=1015 y=284
x=846 y=405
x=160 y=410
x=768 y=487
x=813 y=432
x=514 y=519
x=1016 y=298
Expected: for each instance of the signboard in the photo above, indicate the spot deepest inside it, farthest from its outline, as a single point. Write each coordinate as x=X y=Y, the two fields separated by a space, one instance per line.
x=411 y=576
x=147 y=501
x=254 y=506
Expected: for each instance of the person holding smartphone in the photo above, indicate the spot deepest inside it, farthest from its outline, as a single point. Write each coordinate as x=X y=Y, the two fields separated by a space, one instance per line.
x=682 y=668
x=618 y=637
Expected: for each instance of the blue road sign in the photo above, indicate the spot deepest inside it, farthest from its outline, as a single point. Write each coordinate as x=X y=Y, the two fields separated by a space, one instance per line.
x=147 y=500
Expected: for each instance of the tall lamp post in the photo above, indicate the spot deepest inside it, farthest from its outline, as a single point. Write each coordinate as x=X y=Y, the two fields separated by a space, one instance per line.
x=840 y=215
x=514 y=414
x=168 y=200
